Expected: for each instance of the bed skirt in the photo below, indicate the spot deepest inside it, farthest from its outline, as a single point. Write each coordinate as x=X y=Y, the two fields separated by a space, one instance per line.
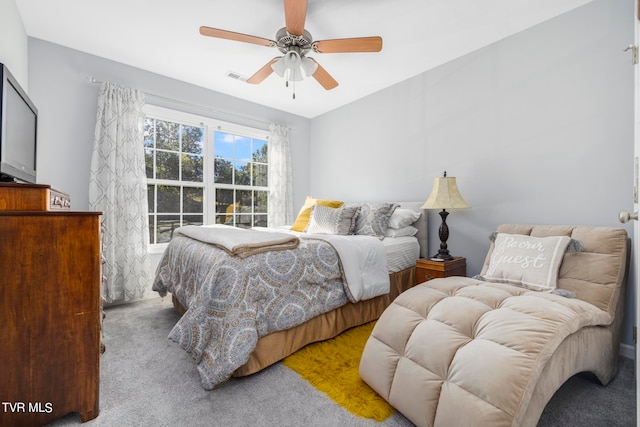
x=276 y=346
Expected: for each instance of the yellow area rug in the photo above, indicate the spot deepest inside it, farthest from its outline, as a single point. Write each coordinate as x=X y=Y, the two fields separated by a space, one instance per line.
x=332 y=367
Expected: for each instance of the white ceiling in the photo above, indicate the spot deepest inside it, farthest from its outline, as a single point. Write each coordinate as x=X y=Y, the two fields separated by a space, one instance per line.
x=162 y=36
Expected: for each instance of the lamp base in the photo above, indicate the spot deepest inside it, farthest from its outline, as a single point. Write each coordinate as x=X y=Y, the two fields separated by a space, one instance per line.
x=443 y=254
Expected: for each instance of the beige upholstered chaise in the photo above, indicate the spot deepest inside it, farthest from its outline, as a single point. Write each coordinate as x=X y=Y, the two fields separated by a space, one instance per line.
x=467 y=352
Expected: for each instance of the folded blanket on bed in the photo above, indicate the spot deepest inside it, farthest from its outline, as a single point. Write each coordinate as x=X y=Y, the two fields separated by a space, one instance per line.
x=239 y=241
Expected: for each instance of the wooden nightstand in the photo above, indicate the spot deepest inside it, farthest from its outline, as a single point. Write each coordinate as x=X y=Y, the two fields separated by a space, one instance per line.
x=427 y=269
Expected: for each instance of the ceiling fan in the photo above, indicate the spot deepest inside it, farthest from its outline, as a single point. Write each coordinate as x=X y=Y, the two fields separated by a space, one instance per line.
x=295 y=43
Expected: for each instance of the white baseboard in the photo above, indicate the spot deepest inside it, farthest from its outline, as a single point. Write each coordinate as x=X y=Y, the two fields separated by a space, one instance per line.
x=628 y=351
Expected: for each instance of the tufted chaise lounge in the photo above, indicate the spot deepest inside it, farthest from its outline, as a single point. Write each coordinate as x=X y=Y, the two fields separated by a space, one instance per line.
x=467 y=352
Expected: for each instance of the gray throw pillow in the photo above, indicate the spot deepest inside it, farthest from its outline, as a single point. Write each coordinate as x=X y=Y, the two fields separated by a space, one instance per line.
x=326 y=220
x=373 y=219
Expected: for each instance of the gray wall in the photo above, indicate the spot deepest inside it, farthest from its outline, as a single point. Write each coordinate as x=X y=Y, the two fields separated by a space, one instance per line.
x=537 y=128
x=13 y=42
x=66 y=100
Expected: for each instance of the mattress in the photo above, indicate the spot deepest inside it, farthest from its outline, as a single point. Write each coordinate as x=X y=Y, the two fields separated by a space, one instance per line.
x=402 y=252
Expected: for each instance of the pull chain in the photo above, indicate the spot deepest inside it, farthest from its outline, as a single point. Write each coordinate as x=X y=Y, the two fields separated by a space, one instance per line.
x=286 y=83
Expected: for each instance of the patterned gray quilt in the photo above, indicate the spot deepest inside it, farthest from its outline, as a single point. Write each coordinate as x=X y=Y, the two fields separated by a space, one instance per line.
x=231 y=302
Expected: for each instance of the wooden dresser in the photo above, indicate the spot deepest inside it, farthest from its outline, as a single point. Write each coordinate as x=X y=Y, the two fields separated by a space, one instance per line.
x=50 y=314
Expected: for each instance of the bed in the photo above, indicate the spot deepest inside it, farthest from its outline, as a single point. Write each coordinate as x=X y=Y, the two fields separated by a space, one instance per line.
x=246 y=305
x=493 y=349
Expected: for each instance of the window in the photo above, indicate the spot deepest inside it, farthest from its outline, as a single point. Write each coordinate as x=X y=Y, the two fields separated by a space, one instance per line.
x=203 y=171
x=240 y=179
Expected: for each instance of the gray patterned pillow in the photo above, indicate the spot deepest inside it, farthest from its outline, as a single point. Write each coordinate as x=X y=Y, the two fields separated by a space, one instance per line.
x=326 y=220
x=373 y=219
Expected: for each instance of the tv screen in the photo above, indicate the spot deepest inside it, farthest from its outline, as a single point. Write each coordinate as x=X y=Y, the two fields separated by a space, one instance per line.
x=18 y=131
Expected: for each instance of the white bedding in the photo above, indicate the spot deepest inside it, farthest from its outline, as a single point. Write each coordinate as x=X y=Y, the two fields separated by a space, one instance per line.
x=364 y=263
x=400 y=253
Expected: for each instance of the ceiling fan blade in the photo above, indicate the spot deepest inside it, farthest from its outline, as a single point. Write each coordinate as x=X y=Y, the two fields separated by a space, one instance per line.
x=324 y=78
x=357 y=44
x=263 y=72
x=295 y=12
x=230 y=35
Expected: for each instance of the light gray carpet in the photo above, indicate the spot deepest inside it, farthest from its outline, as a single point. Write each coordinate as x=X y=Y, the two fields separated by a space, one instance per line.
x=147 y=380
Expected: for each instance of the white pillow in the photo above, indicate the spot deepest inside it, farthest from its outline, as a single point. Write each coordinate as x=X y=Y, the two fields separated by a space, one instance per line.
x=326 y=220
x=400 y=232
x=403 y=217
x=530 y=262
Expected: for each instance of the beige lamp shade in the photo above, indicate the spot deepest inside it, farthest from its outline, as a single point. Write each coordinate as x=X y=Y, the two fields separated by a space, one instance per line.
x=445 y=195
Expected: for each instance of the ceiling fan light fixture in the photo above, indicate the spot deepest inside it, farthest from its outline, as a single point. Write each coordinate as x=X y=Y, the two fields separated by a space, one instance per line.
x=308 y=66
x=279 y=67
x=294 y=75
x=291 y=67
x=292 y=60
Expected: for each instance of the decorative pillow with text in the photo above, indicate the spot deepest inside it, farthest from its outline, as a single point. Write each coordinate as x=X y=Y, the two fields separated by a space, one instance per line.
x=530 y=262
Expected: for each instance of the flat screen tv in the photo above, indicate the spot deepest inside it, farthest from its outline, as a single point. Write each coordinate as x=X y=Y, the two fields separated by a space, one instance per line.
x=18 y=131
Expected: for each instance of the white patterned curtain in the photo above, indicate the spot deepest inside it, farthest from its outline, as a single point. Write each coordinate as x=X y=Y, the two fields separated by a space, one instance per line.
x=118 y=189
x=280 y=177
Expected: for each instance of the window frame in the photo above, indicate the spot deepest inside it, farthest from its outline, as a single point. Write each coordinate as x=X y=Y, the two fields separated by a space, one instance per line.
x=210 y=126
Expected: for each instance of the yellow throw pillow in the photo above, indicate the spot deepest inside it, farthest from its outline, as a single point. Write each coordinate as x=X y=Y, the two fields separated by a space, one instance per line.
x=302 y=220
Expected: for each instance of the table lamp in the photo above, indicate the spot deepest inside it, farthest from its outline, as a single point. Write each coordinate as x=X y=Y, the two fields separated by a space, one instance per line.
x=444 y=195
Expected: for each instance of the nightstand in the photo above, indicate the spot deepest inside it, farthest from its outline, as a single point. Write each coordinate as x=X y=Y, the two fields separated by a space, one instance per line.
x=426 y=269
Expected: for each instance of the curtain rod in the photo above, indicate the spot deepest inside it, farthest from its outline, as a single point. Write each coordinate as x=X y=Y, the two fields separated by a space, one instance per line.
x=201 y=107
